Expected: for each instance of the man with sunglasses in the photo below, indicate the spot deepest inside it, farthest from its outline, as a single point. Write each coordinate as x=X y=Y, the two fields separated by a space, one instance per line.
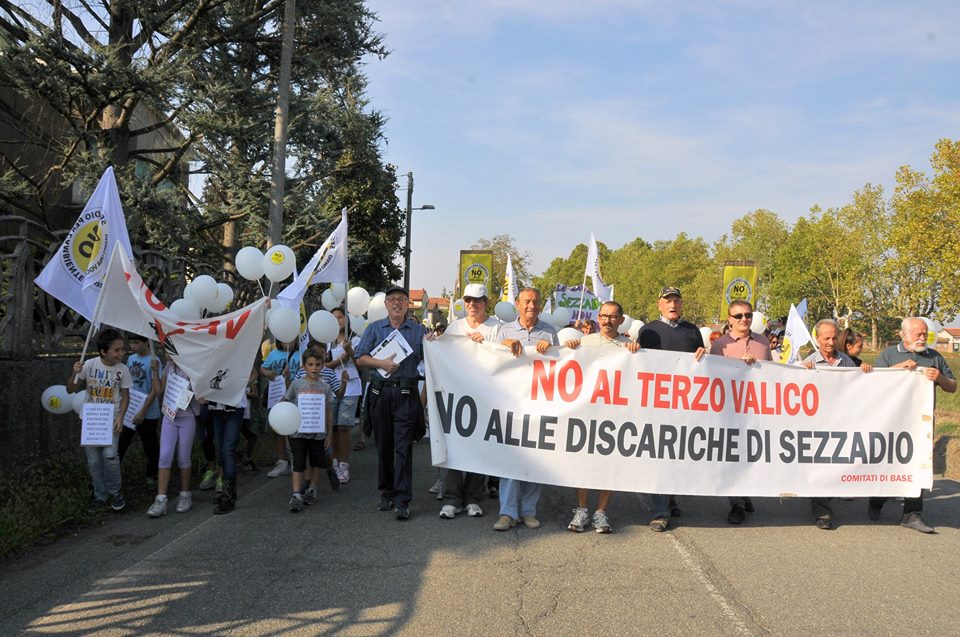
x=464 y=488
x=740 y=342
x=670 y=333
x=395 y=407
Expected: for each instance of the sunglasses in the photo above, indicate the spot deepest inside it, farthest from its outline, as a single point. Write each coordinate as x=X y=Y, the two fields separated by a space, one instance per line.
x=746 y=315
x=470 y=299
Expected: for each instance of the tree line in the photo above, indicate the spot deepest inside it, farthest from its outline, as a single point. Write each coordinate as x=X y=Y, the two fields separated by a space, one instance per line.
x=868 y=263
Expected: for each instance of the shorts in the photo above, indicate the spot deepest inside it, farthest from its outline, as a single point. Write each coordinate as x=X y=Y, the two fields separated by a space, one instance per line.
x=347 y=412
x=303 y=448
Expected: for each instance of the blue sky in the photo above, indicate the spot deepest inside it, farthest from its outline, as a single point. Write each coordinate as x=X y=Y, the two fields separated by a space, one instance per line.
x=548 y=119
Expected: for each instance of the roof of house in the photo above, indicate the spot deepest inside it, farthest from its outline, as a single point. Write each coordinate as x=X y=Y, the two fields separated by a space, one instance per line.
x=417 y=295
x=438 y=302
x=952 y=331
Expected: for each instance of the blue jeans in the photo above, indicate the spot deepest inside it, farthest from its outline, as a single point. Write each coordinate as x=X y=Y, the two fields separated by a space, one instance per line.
x=104 y=466
x=226 y=437
x=660 y=504
x=518 y=498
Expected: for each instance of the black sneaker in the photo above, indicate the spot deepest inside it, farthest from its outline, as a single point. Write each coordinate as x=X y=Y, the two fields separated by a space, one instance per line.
x=403 y=513
x=824 y=523
x=117 y=503
x=385 y=504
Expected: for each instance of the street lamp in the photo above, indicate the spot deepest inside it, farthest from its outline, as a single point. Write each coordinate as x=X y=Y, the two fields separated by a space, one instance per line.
x=406 y=249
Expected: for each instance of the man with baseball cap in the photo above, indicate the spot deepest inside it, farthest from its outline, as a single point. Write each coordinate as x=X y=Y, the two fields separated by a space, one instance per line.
x=673 y=334
x=394 y=400
x=465 y=489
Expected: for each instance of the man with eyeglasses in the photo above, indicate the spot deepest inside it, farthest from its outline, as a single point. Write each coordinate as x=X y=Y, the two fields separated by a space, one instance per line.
x=610 y=318
x=673 y=334
x=740 y=342
x=518 y=499
x=464 y=488
x=827 y=355
x=395 y=406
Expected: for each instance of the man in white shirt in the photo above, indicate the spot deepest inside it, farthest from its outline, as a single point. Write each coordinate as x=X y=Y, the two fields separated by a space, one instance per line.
x=464 y=488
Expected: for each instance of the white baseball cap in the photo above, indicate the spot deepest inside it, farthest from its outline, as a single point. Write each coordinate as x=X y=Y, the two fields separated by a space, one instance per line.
x=475 y=291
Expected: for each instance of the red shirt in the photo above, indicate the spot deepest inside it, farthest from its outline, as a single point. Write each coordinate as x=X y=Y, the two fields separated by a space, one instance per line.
x=730 y=346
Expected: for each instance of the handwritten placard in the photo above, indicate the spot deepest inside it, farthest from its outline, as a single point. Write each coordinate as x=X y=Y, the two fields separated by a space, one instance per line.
x=137 y=399
x=176 y=395
x=97 y=429
x=275 y=391
x=313 y=413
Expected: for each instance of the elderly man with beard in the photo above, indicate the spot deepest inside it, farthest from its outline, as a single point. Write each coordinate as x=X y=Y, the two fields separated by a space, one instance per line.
x=518 y=499
x=464 y=488
x=912 y=353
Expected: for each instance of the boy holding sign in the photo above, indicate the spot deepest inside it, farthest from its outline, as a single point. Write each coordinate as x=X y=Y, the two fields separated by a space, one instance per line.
x=107 y=381
x=315 y=399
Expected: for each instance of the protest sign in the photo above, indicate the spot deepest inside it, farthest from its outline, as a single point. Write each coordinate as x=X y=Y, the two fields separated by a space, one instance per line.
x=661 y=422
x=97 y=425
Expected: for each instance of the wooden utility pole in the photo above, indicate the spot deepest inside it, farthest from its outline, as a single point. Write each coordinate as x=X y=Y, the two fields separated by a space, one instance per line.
x=278 y=175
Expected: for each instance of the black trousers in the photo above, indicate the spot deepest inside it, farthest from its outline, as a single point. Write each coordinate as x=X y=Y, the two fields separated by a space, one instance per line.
x=910 y=505
x=395 y=413
x=148 y=430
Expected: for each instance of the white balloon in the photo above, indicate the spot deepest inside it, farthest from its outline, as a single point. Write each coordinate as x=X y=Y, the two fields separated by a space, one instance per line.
x=358 y=324
x=546 y=317
x=357 y=300
x=185 y=309
x=328 y=300
x=323 y=326
x=376 y=312
x=284 y=324
x=187 y=290
x=635 y=327
x=759 y=323
x=561 y=317
x=278 y=263
x=339 y=291
x=284 y=418
x=459 y=309
x=56 y=400
x=705 y=332
x=249 y=263
x=569 y=334
x=78 y=399
x=203 y=291
x=506 y=311
x=625 y=326
x=224 y=296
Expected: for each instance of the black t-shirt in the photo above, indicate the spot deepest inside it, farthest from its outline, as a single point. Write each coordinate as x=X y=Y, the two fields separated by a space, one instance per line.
x=685 y=337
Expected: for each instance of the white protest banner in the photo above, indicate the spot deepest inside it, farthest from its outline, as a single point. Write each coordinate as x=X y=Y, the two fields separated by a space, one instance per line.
x=97 y=427
x=275 y=391
x=176 y=395
x=313 y=413
x=661 y=422
x=569 y=297
x=75 y=273
x=137 y=398
x=216 y=353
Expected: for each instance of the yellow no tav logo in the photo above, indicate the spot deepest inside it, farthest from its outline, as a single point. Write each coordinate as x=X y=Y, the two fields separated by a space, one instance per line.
x=87 y=244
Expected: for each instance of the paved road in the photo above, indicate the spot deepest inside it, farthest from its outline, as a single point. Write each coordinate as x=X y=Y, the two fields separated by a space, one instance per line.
x=342 y=568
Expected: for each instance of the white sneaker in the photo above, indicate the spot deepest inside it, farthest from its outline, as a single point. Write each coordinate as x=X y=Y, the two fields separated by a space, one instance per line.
x=184 y=502
x=158 y=509
x=282 y=468
x=344 y=472
x=449 y=511
x=474 y=510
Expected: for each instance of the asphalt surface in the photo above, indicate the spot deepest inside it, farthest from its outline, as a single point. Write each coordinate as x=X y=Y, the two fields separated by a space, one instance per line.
x=342 y=568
